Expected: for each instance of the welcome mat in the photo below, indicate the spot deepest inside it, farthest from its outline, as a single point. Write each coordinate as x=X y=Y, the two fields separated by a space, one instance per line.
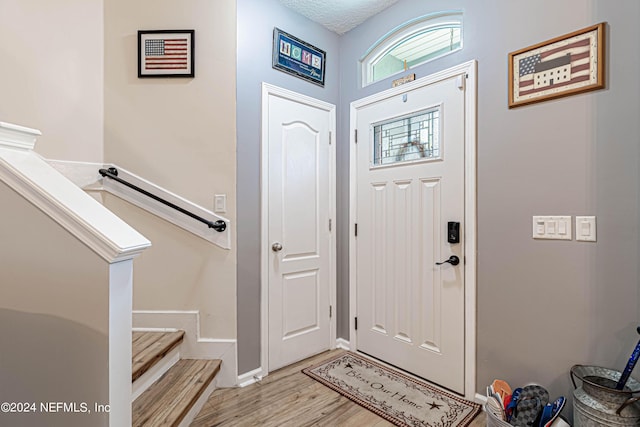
x=402 y=400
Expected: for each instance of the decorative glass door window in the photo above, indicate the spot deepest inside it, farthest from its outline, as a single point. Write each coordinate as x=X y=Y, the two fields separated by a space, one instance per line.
x=407 y=139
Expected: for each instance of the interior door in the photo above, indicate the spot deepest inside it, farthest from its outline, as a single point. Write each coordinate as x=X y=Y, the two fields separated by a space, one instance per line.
x=299 y=234
x=410 y=186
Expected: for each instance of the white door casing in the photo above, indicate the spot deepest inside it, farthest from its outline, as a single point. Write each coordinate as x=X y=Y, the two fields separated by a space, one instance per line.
x=412 y=313
x=298 y=206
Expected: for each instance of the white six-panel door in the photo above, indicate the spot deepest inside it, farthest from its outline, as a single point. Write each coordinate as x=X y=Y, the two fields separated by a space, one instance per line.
x=299 y=243
x=411 y=311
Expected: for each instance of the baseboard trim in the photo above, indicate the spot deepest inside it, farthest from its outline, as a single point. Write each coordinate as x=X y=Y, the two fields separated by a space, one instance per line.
x=481 y=399
x=193 y=346
x=250 y=377
x=343 y=344
x=154 y=329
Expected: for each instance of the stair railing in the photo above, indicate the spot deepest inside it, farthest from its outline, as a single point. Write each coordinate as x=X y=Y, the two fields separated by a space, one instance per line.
x=112 y=173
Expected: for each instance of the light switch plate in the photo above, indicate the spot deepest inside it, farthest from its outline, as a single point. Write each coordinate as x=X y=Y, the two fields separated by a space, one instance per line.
x=552 y=227
x=586 y=228
x=220 y=203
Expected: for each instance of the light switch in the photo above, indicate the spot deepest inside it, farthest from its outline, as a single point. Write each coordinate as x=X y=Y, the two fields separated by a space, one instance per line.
x=586 y=228
x=220 y=203
x=552 y=227
x=562 y=228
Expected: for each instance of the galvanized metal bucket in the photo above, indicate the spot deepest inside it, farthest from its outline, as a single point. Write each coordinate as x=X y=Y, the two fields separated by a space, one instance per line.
x=596 y=402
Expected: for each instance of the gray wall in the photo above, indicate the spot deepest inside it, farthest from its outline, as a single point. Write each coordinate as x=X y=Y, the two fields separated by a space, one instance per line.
x=542 y=305
x=256 y=19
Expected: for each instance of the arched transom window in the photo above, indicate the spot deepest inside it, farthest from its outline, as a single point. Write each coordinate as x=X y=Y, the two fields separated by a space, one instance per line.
x=413 y=43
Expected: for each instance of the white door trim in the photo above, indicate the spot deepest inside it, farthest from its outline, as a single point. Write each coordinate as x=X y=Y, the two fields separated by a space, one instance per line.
x=267 y=90
x=470 y=233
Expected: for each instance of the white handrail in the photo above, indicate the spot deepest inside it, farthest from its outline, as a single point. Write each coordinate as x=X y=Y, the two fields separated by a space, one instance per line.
x=32 y=177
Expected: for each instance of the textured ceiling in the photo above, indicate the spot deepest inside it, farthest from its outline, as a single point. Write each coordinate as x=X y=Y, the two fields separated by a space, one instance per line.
x=338 y=16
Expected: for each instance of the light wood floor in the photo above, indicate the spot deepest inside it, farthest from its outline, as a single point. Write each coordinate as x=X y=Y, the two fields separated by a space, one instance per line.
x=287 y=397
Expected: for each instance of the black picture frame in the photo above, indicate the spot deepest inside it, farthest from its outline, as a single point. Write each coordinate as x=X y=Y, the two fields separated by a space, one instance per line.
x=298 y=58
x=166 y=53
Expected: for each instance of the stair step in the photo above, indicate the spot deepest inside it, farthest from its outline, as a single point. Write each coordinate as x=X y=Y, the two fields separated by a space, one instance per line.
x=170 y=398
x=150 y=347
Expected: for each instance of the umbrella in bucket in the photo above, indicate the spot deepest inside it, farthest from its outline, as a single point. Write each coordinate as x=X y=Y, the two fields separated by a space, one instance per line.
x=630 y=365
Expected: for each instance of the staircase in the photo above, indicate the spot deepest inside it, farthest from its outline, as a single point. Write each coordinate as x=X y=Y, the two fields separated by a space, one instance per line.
x=167 y=390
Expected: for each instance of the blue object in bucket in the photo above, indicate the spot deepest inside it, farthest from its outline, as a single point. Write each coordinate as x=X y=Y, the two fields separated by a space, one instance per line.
x=630 y=365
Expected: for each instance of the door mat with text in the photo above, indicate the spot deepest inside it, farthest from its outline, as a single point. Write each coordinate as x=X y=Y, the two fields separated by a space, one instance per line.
x=402 y=400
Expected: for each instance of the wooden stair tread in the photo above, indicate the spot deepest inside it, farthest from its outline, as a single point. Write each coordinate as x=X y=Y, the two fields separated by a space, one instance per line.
x=169 y=399
x=150 y=347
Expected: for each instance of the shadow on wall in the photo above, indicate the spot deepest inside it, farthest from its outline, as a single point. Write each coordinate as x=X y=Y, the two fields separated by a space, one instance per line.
x=58 y=365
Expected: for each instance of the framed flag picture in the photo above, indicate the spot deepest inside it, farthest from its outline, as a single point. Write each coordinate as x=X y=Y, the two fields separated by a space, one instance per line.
x=299 y=58
x=563 y=66
x=166 y=53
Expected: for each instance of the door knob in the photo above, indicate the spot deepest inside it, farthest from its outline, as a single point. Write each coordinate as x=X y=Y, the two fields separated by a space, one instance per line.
x=453 y=260
x=276 y=247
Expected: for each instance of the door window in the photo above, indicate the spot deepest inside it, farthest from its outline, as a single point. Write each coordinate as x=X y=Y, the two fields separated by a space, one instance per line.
x=407 y=139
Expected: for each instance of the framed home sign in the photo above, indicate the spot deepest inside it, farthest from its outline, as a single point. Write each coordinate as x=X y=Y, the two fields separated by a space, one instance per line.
x=166 y=53
x=566 y=65
x=299 y=58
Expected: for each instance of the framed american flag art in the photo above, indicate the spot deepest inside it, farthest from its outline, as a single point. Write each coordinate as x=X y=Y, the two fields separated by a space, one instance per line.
x=562 y=66
x=166 y=53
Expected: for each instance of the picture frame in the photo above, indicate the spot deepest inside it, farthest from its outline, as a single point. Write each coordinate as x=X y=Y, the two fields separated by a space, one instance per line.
x=166 y=53
x=298 y=58
x=563 y=66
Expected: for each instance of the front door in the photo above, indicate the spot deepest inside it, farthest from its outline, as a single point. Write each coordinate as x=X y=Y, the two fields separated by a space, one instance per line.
x=299 y=241
x=410 y=186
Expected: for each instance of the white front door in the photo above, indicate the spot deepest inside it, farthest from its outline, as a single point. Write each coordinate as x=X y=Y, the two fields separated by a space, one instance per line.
x=410 y=185
x=299 y=241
